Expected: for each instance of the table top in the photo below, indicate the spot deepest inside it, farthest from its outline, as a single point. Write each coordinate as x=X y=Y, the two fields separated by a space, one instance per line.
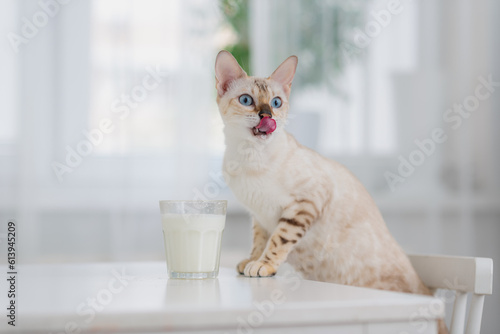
x=138 y=296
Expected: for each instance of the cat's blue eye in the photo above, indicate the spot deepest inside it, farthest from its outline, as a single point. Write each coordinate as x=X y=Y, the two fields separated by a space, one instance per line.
x=246 y=100
x=276 y=102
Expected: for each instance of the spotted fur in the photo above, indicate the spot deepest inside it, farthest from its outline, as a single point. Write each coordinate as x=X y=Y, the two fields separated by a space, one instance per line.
x=307 y=210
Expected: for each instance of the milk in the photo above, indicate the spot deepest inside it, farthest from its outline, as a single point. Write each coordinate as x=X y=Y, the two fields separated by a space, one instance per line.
x=192 y=242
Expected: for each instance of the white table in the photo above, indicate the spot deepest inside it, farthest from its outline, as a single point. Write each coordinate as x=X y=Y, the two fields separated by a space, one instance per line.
x=94 y=298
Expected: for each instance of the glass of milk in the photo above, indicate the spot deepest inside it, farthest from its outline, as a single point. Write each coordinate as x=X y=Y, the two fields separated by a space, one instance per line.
x=192 y=232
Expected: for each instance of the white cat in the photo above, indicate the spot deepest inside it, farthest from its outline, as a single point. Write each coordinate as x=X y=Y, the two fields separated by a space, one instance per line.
x=307 y=210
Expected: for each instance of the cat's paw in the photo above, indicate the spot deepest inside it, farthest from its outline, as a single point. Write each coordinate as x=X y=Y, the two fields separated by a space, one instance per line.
x=259 y=269
x=241 y=266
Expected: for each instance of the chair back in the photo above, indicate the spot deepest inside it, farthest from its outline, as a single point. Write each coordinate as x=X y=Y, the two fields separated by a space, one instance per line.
x=464 y=275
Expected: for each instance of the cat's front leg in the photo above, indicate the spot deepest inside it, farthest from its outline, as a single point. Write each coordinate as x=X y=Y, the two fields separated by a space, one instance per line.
x=260 y=237
x=296 y=219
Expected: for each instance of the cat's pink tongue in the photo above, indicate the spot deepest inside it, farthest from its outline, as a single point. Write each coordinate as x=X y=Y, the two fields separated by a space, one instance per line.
x=267 y=125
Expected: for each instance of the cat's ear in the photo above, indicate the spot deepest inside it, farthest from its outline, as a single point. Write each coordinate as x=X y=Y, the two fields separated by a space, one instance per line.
x=227 y=70
x=285 y=72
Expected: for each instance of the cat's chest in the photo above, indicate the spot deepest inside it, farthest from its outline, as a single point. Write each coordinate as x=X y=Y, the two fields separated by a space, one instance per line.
x=262 y=195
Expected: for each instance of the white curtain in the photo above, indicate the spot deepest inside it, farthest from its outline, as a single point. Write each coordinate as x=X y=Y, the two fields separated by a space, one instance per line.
x=109 y=106
x=135 y=80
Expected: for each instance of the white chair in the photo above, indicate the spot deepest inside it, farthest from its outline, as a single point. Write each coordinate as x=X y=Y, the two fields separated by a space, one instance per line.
x=464 y=275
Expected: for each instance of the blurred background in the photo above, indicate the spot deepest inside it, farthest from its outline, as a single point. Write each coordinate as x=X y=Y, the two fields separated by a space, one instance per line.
x=109 y=106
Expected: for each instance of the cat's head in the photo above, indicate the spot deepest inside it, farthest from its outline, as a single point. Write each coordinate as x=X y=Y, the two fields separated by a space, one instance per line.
x=251 y=106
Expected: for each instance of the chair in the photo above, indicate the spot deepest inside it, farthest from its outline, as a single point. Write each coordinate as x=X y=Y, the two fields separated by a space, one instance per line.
x=464 y=275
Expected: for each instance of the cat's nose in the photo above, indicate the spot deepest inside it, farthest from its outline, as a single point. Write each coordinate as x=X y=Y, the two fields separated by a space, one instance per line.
x=265 y=112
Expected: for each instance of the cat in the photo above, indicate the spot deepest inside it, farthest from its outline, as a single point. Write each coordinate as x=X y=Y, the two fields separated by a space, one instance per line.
x=306 y=209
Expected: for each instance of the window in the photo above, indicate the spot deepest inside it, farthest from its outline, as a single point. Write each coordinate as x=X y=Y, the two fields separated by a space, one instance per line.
x=147 y=70
x=151 y=71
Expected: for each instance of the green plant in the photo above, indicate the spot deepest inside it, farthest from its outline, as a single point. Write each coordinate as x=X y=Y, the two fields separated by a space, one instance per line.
x=318 y=31
x=236 y=15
